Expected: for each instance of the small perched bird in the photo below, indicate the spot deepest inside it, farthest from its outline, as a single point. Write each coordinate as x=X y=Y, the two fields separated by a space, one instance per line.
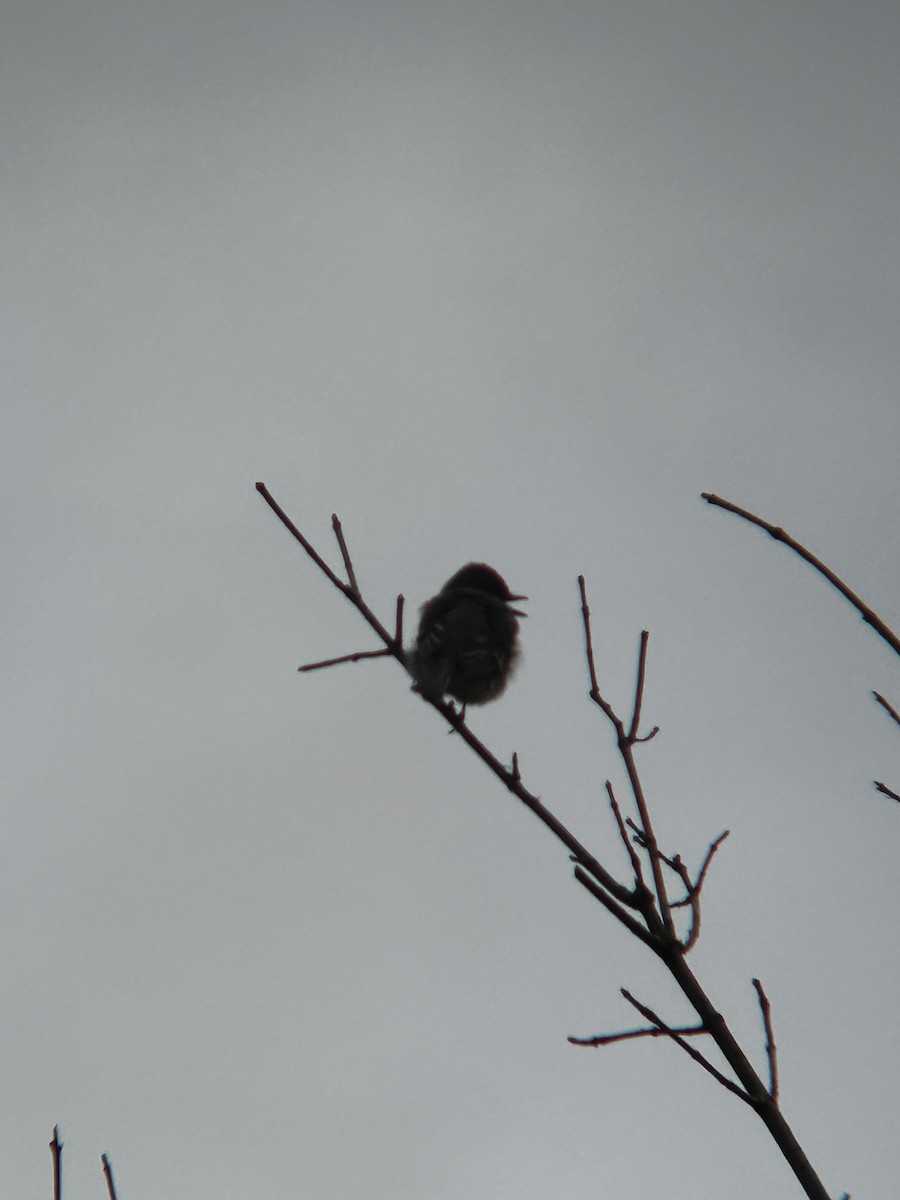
x=467 y=642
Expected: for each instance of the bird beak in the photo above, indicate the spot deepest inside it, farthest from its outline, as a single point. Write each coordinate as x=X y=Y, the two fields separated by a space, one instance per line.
x=518 y=612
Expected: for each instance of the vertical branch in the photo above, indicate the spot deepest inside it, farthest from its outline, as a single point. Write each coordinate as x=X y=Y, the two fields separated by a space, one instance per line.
x=107 y=1171
x=771 y=1050
x=56 y=1148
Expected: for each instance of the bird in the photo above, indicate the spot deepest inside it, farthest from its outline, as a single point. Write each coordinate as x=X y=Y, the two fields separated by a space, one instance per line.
x=467 y=642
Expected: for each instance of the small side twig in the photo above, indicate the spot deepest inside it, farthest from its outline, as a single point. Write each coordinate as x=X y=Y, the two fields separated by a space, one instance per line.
x=867 y=614
x=887 y=707
x=676 y=1037
x=355 y=657
x=771 y=1049
x=653 y=1031
x=885 y=790
x=692 y=890
x=107 y=1171
x=398 y=624
x=345 y=553
x=623 y=834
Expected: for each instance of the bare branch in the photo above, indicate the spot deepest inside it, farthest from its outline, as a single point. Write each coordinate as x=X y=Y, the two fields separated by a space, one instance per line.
x=607 y=1039
x=610 y=905
x=56 y=1149
x=771 y=1048
x=398 y=625
x=107 y=1171
x=639 y=689
x=692 y=890
x=345 y=553
x=868 y=615
x=289 y=524
x=626 y=840
x=887 y=707
x=885 y=790
x=657 y=932
x=393 y=647
x=676 y=1037
x=626 y=749
x=589 y=645
x=333 y=662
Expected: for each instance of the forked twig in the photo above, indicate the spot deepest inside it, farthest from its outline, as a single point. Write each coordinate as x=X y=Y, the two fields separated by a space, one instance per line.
x=626 y=749
x=867 y=614
x=345 y=555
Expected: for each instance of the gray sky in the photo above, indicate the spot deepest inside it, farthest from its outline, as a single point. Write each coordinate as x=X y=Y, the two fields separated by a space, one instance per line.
x=513 y=282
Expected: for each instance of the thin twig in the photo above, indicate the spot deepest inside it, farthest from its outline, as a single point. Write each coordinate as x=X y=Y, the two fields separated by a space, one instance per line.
x=653 y=1031
x=626 y=840
x=56 y=1149
x=887 y=707
x=626 y=749
x=676 y=1037
x=332 y=662
x=639 y=687
x=771 y=1048
x=398 y=623
x=307 y=546
x=352 y=595
x=107 y=1171
x=885 y=790
x=868 y=615
x=345 y=553
x=610 y=905
x=659 y=932
x=692 y=890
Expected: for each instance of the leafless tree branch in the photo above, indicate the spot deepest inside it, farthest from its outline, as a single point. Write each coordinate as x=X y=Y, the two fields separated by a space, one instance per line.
x=107 y=1171
x=885 y=790
x=658 y=930
x=771 y=1049
x=676 y=1037
x=355 y=657
x=56 y=1149
x=868 y=615
x=889 y=709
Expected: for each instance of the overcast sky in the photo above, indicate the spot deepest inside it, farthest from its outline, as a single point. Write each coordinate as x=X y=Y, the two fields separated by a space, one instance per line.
x=506 y=281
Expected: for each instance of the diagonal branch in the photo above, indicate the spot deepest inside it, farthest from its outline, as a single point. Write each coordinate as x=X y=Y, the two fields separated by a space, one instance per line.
x=868 y=615
x=676 y=1037
x=888 y=708
x=107 y=1171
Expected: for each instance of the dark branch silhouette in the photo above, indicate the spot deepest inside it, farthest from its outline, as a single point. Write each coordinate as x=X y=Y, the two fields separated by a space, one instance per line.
x=867 y=614
x=56 y=1149
x=644 y=911
x=107 y=1171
